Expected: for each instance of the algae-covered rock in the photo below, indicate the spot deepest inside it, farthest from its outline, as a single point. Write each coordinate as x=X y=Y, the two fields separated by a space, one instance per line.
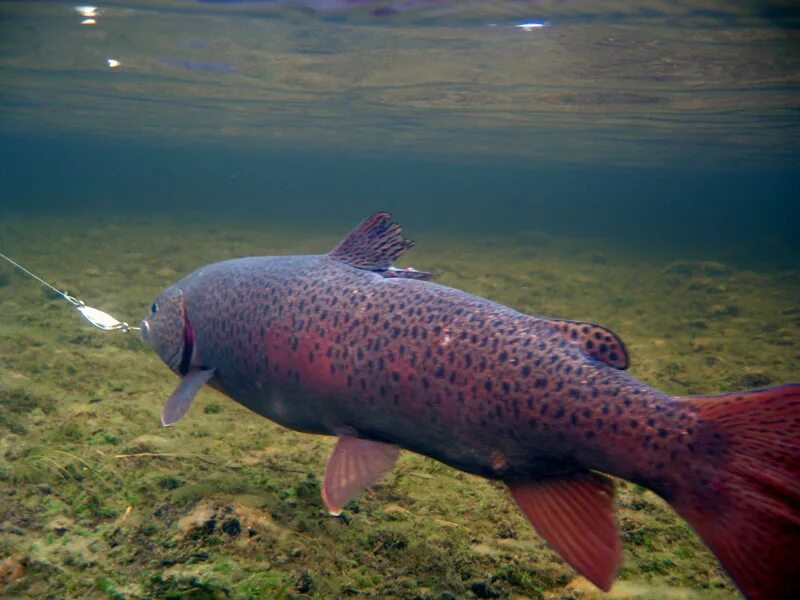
x=151 y=443
x=689 y=268
x=11 y=569
x=231 y=519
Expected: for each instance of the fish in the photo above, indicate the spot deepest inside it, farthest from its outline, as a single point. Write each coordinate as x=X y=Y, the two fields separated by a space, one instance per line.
x=348 y=345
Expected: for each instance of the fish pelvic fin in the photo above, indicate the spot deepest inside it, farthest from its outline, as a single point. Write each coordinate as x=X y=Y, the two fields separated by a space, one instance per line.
x=354 y=465
x=574 y=513
x=373 y=245
x=744 y=495
x=181 y=398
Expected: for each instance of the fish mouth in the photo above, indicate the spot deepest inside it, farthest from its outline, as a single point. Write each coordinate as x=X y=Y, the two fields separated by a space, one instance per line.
x=144 y=330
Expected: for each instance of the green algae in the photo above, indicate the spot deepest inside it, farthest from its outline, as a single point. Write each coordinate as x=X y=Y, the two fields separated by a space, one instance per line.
x=102 y=502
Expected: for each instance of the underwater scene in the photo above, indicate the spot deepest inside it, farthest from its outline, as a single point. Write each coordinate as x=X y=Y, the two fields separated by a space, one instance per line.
x=604 y=202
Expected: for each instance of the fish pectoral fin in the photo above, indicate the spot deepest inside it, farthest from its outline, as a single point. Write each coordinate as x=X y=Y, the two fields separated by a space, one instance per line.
x=181 y=398
x=595 y=340
x=354 y=465
x=574 y=513
x=373 y=245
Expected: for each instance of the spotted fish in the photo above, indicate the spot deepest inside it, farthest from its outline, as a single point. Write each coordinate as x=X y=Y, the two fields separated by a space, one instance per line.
x=345 y=344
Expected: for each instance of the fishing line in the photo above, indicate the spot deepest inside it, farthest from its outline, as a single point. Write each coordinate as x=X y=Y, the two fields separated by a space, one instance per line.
x=96 y=318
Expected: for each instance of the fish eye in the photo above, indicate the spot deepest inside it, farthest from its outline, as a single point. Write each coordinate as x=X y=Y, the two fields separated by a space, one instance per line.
x=154 y=308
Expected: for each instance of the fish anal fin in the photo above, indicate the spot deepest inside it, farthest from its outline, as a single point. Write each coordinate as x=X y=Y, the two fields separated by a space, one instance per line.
x=373 y=245
x=575 y=514
x=354 y=465
x=181 y=398
x=595 y=340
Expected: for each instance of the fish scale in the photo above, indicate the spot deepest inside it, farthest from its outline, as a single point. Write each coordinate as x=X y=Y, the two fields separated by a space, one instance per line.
x=344 y=344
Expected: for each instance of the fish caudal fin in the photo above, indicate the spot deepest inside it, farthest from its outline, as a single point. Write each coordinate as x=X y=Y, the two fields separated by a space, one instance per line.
x=744 y=494
x=574 y=513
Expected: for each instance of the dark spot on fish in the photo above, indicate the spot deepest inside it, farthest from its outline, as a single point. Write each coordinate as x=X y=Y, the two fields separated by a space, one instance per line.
x=590 y=344
x=633 y=423
x=488 y=385
x=559 y=413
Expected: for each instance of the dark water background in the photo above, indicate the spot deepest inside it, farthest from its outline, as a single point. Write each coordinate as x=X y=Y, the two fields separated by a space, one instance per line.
x=669 y=127
x=750 y=217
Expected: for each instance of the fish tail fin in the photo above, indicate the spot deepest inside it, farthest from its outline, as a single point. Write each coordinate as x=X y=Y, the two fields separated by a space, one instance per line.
x=742 y=493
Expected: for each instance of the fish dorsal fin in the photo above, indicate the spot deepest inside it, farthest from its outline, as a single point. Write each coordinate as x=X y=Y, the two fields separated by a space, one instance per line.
x=373 y=245
x=597 y=341
x=575 y=515
x=354 y=465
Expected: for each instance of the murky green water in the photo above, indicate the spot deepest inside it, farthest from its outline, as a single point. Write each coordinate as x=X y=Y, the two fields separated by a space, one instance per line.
x=634 y=164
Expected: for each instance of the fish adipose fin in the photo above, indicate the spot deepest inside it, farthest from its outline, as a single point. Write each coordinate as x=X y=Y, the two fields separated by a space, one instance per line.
x=597 y=341
x=744 y=494
x=575 y=514
x=374 y=245
x=181 y=398
x=354 y=465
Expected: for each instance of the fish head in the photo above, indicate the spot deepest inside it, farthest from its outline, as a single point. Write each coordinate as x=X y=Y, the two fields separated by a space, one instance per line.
x=167 y=330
